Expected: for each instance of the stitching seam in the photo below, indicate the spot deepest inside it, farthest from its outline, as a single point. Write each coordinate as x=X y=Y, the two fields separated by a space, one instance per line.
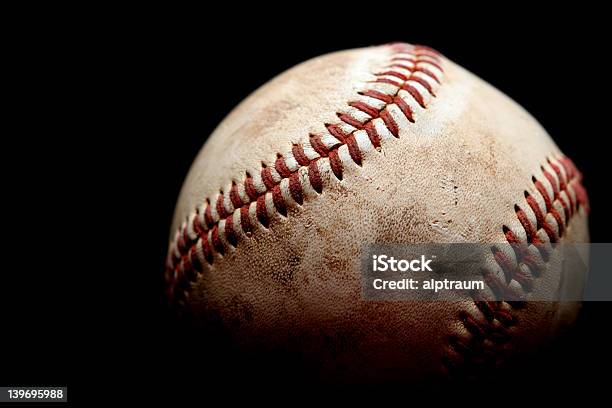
x=541 y=221
x=403 y=87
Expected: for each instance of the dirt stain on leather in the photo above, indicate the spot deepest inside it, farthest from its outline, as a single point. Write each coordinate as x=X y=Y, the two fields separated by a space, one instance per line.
x=238 y=311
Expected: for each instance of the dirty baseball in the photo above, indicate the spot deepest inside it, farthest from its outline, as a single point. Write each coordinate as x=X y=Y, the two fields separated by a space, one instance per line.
x=384 y=144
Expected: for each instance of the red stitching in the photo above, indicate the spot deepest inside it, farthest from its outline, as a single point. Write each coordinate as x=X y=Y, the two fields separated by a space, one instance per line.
x=220 y=207
x=473 y=353
x=396 y=74
x=364 y=107
x=540 y=216
x=416 y=94
x=208 y=220
x=401 y=66
x=234 y=196
x=336 y=164
x=377 y=95
x=404 y=107
x=337 y=132
x=350 y=120
x=229 y=231
x=197 y=227
x=279 y=201
x=424 y=84
x=216 y=241
x=353 y=149
x=390 y=123
x=262 y=212
x=206 y=230
x=521 y=251
x=300 y=156
x=314 y=176
x=318 y=145
x=372 y=134
x=295 y=188
x=268 y=180
x=195 y=262
x=428 y=72
x=388 y=81
x=472 y=325
x=412 y=60
x=249 y=188
x=245 y=219
x=486 y=309
x=532 y=234
x=181 y=243
x=281 y=167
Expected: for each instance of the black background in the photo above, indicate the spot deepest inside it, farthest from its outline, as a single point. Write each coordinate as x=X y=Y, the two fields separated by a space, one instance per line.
x=122 y=105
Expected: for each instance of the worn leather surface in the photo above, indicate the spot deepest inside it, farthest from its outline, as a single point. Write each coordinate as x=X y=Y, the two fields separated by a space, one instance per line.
x=454 y=175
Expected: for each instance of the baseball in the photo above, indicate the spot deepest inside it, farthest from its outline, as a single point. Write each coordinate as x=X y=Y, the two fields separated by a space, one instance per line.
x=387 y=144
